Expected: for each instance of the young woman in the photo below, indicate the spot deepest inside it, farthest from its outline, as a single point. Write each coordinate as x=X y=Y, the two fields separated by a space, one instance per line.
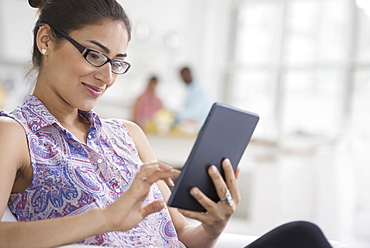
x=147 y=104
x=70 y=176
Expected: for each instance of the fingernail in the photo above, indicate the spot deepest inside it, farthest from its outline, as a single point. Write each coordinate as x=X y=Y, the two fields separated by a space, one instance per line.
x=194 y=192
x=213 y=169
x=227 y=162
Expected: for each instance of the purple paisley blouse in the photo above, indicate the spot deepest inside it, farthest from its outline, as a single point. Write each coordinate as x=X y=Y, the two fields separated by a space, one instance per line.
x=70 y=177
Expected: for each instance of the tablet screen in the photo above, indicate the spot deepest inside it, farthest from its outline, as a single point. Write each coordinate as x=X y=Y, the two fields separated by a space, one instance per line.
x=225 y=134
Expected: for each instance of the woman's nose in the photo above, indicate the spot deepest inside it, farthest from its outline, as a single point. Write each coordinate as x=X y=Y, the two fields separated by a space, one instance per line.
x=105 y=74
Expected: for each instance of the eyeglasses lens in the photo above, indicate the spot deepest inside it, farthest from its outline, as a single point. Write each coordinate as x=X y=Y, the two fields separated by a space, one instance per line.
x=98 y=59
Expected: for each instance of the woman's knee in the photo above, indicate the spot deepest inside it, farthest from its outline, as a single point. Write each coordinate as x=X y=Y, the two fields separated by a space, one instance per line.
x=305 y=227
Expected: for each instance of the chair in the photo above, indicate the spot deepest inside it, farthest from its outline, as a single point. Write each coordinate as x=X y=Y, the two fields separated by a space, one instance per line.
x=226 y=240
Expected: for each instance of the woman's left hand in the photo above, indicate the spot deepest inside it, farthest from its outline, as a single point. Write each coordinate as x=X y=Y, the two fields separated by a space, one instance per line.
x=217 y=215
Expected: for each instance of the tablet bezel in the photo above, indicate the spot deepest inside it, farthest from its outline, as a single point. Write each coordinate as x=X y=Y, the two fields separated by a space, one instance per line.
x=225 y=134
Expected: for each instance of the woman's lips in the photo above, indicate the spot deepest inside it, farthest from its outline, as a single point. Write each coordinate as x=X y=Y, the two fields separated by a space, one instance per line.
x=94 y=90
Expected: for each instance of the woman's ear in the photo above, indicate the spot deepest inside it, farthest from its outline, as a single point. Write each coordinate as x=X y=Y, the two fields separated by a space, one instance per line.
x=44 y=39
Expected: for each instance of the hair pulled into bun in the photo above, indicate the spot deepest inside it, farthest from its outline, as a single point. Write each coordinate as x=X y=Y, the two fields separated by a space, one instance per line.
x=70 y=15
x=37 y=3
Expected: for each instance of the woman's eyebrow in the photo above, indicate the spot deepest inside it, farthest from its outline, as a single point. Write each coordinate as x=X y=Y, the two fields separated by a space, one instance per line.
x=106 y=49
x=121 y=55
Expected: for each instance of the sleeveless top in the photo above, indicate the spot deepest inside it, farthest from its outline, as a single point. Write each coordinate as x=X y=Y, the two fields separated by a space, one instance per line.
x=70 y=177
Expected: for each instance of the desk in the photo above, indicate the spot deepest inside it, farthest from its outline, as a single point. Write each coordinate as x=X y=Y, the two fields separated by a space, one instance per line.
x=174 y=149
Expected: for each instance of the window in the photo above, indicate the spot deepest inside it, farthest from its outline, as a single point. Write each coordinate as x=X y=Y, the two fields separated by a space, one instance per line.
x=303 y=65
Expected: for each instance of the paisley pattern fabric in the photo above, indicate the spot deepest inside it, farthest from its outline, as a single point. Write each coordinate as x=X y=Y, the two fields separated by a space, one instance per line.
x=70 y=177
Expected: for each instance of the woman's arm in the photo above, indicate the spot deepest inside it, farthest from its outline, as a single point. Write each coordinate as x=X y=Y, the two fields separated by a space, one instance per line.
x=123 y=214
x=10 y=160
x=14 y=161
x=218 y=214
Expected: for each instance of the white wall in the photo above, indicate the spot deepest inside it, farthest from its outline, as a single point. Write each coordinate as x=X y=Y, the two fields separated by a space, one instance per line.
x=16 y=23
x=167 y=34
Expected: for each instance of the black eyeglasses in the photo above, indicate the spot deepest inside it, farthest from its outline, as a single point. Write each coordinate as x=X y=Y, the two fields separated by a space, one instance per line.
x=97 y=58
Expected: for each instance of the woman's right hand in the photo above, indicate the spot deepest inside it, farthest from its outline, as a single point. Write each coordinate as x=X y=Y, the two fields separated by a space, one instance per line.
x=127 y=211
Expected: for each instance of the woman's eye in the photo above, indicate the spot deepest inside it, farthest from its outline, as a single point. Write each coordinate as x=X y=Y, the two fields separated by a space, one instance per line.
x=116 y=64
x=94 y=56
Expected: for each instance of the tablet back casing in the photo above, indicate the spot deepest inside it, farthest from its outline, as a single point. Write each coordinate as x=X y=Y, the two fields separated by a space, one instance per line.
x=225 y=134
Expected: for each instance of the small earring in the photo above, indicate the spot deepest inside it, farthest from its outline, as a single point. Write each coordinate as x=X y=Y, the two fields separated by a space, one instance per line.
x=43 y=51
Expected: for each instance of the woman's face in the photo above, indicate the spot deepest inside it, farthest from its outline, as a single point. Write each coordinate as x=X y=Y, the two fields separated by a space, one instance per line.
x=65 y=76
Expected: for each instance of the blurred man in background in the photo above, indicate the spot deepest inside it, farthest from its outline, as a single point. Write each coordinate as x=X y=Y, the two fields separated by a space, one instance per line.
x=196 y=105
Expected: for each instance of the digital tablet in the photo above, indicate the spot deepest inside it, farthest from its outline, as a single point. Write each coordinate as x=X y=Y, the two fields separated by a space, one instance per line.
x=225 y=134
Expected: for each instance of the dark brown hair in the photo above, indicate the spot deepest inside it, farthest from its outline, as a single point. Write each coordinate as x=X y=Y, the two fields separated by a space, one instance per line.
x=71 y=15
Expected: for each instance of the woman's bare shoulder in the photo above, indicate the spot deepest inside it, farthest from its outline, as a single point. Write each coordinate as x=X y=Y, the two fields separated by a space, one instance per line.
x=13 y=137
x=134 y=129
x=10 y=127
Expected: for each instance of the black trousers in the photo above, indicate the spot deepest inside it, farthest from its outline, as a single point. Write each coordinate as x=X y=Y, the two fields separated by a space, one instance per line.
x=298 y=234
